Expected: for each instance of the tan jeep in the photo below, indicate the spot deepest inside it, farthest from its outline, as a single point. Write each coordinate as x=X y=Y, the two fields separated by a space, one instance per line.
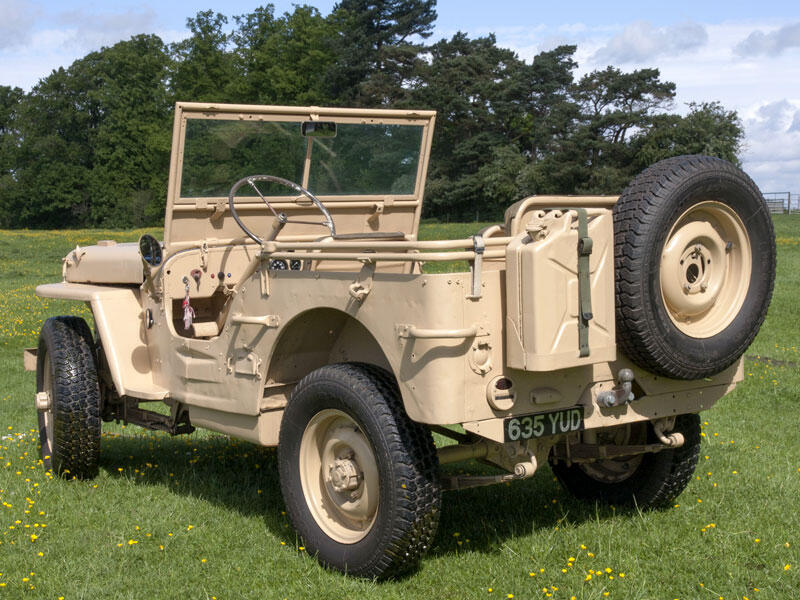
x=291 y=304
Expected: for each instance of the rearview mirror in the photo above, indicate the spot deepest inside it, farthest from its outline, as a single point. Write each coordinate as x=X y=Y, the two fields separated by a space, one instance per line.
x=318 y=129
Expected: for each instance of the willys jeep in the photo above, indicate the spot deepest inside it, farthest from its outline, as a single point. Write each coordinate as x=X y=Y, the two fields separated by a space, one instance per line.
x=291 y=304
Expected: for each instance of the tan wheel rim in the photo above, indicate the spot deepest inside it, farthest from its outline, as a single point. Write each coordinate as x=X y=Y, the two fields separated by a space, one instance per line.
x=705 y=269
x=615 y=470
x=339 y=476
x=47 y=414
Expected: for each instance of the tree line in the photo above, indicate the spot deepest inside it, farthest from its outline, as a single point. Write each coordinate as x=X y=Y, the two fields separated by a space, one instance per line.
x=89 y=145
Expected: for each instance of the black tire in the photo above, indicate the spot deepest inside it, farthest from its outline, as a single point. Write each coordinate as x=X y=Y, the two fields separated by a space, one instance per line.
x=652 y=222
x=66 y=369
x=404 y=459
x=653 y=480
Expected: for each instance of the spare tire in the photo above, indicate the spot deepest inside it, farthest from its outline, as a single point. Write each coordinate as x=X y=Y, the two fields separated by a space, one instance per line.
x=694 y=257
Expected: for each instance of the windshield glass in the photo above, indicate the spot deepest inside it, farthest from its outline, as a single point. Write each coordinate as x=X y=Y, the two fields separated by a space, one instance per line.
x=363 y=159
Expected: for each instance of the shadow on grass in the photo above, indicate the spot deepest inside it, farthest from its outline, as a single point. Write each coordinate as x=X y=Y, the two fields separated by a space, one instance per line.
x=482 y=519
x=244 y=477
x=231 y=473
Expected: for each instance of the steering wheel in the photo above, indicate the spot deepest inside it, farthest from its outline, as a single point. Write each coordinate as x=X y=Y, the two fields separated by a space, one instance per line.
x=280 y=218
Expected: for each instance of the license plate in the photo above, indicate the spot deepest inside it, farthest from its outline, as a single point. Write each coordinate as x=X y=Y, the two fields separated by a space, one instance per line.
x=543 y=424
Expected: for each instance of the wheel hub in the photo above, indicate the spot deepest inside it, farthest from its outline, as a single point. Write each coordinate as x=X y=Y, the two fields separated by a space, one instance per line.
x=339 y=476
x=704 y=269
x=43 y=402
x=344 y=475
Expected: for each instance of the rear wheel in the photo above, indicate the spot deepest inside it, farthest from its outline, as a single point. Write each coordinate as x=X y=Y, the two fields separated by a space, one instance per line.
x=644 y=480
x=359 y=478
x=68 y=398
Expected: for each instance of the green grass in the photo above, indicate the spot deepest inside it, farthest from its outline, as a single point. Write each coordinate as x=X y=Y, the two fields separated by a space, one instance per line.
x=201 y=516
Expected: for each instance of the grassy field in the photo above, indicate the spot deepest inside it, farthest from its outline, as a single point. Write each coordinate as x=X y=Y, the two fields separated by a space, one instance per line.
x=201 y=516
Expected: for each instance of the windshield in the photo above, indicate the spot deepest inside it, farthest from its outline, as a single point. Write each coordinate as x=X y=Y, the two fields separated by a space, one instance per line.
x=363 y=159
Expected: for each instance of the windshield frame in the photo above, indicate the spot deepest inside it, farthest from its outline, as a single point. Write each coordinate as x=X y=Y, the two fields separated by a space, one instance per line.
x=181 y=208
x=186 y=111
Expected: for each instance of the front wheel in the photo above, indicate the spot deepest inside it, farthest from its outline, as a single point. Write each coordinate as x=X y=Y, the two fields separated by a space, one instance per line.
x=68 y=398
x=359 y=478
x=645 y=480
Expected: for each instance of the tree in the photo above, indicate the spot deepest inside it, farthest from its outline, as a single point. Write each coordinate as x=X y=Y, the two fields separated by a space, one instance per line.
x=547 y=110
x=95 y=140
x=598 y=156
x=10 y=100
x=707 y=129
x=467 y=82
x=375 y=48
x=203 y=68
x=131 y=145
x=284 y=60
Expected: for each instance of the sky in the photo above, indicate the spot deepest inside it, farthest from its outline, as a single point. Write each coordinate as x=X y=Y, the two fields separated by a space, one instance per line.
x=744 y=55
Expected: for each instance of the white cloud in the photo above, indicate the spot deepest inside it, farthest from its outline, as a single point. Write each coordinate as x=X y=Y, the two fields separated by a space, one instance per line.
x=772 y=154
x=91 y=31
x=773 y=43
x=795 y=126
x=641 y=41
x=16 y=22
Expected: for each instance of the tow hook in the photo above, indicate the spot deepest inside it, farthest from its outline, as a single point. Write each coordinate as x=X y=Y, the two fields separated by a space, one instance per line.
x=524 y=470
x=621 y=394
x=671 y=440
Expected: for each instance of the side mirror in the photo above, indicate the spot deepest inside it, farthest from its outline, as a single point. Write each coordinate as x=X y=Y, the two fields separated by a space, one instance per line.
x=150 y=249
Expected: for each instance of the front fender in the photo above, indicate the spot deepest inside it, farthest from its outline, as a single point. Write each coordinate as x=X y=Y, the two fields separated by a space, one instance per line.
x=118 y=318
